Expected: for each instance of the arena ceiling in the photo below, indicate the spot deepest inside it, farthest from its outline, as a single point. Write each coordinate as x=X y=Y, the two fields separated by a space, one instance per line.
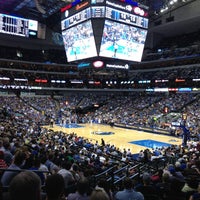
x=41 y=10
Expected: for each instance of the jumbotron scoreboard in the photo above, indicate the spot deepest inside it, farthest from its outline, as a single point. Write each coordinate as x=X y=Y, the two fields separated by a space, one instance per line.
x=118 y=29
x=18 y=26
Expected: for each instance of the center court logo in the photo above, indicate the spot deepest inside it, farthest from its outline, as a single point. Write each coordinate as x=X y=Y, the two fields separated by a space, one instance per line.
x=102 y=133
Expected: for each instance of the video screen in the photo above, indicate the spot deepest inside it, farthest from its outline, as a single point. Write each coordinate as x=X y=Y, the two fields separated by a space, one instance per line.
x=122 y=41
x=79 y=42
x=18 y=26
x=33 y=28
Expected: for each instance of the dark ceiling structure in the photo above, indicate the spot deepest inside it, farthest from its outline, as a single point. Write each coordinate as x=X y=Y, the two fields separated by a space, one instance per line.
x=41 y=10
x=33 y=9
x=44 y=11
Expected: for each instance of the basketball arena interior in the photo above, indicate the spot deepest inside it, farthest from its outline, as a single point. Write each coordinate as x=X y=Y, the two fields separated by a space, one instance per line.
x=100 y=99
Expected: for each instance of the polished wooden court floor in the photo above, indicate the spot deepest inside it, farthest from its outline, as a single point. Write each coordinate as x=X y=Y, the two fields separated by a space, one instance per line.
x=120 y=138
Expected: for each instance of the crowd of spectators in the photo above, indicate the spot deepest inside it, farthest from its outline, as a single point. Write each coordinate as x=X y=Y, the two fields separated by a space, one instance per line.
x=142 y=110
x=65 y=162
x=154 y=111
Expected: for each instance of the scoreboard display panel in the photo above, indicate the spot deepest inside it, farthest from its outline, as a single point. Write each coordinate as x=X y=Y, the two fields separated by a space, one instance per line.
x=126 y=17
x=97 y=11
x=18 y=26
x=76 y=18
x=92 y=12
x=104 y=12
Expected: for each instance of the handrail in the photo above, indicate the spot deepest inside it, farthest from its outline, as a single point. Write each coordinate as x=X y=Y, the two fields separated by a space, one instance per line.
x=22 y=170
x=104 y=172
x=121 y=169
x=120 y=179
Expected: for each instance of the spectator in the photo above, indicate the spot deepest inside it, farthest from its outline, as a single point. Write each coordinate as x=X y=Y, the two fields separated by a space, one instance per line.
x=190 y=186
x=25 y=185
x=55 y=187
x=196 y=195
x=103 y=183
x=147 y=189
x=164 y=187
x=2 y=161
x=175 y=192
x=128 y=192
x=99 y=194
x=7 y=153
x=19 y=159
x=68 y=176
x=82 y=191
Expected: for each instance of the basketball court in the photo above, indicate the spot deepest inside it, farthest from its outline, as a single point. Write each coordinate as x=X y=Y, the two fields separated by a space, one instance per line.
x=120 y=137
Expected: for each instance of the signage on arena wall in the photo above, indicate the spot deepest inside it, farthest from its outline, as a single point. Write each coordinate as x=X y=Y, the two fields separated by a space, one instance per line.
x=83 y=65
x=132 y=7
x=116 y=66
x=172 y=89
x=195 y=89
x=81 y=5
x=185 y=89
x=136 y=7
x=160 y=89
x=98 y=64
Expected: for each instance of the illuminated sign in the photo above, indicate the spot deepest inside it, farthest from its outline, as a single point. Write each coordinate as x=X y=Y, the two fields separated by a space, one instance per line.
x=97 y=1
x=97 y=82
x=77 y=4
x=161 y=81
x=145 y=81
x=116 y=5
x=4 y=78
x=150 y=90
x=81 y=5
x=20 y=79
x=195 y=89
x=83 y=65
x=98 y=64
x=41 y=81
x=161 y=89
x=67 y=7
x=128 y=8
x=76 y=81
x=196 y=79
x=173 y=89
x=185 y=89
x=58 y=81
x=139 y=11
x=179 y=80
x=126 y=66
x=20 y=87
